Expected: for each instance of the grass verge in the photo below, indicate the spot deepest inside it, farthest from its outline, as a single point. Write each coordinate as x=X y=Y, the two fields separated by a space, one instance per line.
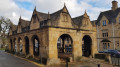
x=2 y=48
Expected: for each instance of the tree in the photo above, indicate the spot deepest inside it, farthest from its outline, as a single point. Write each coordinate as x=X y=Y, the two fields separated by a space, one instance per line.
x=5 y=24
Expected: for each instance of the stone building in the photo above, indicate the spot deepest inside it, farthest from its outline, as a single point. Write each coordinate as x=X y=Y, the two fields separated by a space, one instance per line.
x=108 y=28
x=54 y=36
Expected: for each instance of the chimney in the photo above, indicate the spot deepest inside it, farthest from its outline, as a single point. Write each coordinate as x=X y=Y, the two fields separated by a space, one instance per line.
x=114 y=5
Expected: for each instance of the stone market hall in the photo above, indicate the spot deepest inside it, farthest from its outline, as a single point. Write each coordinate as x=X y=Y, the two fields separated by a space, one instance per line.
x=54 y=36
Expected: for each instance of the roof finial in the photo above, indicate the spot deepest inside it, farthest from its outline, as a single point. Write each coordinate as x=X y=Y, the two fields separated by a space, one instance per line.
x=20 y=16
x=20 y=19
x=48 y=15
x=85 y=12
x=64 y=4
x=35 y=8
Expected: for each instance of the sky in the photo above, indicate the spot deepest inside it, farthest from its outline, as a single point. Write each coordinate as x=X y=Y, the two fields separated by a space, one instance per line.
x=13 y=9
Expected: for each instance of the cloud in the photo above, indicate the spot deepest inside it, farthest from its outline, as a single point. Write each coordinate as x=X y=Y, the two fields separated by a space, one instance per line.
x=12 y=11
x=12 y=8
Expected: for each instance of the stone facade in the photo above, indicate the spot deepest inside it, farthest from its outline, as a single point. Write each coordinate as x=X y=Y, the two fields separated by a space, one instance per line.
x=108 y=28
x=39 y=37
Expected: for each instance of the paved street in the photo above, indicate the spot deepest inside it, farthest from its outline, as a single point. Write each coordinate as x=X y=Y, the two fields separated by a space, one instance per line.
x=7 y=60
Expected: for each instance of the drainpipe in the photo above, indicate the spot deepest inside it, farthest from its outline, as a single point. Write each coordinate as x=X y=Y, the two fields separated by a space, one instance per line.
x=113 y=36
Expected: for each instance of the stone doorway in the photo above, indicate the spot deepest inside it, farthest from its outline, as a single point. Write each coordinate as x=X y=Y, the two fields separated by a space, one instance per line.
x=20 y=45
x=64 y=46
x=86 y=46
x=27 y=45
x=35 y=45
x=15 y=45
x=11 y=44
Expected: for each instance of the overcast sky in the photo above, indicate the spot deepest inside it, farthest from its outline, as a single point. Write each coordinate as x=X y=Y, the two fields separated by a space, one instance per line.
x=14 y=8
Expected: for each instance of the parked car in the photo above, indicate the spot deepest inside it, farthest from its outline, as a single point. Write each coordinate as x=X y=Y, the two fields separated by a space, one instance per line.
x=111 y=52
x=105 y=51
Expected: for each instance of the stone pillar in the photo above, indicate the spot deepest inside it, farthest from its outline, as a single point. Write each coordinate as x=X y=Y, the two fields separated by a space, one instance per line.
x=53 y=52
x=77 y=47
x=23 y=46
x=18 y=45
x=94 y=45
x=31 y=47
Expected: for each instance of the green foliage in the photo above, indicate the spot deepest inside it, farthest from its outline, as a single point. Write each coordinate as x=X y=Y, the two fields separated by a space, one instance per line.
x=2 y=49
x=5 y=24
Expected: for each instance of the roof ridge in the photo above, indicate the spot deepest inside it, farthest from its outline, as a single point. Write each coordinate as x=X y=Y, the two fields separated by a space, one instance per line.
x=77 y=17
x=56 y=11
x=25 y=20
x=41 y=12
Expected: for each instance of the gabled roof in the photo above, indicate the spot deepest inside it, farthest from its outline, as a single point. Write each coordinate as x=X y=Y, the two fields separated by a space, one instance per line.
x=42 y=16
x=78 y=20
x=14 y=27
x=94 y=22
x=55 y=15
x=24 y=23
x=110 y=15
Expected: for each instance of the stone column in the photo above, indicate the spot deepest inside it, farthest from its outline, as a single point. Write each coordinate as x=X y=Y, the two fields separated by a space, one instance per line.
x=94 y=45
x=31 y=47
x=9 y=45
x=18 y=45
x=23 y=46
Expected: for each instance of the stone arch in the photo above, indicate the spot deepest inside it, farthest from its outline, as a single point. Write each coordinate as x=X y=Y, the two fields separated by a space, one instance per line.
x=36 y=45
x=15 y=44
x=26 y=45
x=65 y=46
x=86 y=46
x=11 y=45
x=20 y=44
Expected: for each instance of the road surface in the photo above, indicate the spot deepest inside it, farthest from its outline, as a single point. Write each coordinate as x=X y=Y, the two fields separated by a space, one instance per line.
x=8 y=60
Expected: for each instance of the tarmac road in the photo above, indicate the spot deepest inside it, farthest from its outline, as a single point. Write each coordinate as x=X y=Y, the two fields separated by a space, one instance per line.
x=8 y=60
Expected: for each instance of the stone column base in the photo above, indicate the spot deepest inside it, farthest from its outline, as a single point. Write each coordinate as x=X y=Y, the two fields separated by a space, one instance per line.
x=53 y=61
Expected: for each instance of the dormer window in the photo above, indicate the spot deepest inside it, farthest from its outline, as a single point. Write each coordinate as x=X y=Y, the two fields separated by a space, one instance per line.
x=104 y=23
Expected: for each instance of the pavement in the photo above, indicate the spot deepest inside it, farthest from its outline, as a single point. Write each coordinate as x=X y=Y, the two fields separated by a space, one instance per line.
x=86 y=62
x=8 y=60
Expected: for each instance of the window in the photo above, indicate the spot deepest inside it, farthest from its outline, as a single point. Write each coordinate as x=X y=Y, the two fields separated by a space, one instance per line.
x=108 y=45
x=104 y=23
x=117 y=44
x=105 y=34
x=105 y=46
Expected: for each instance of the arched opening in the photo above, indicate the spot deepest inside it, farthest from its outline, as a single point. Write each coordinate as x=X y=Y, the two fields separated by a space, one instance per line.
x=64 y=46
x=11 y=44
x=35 y=40
x=86 y=46
x=15 y=45
x=20 y=44
x=27 y=45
